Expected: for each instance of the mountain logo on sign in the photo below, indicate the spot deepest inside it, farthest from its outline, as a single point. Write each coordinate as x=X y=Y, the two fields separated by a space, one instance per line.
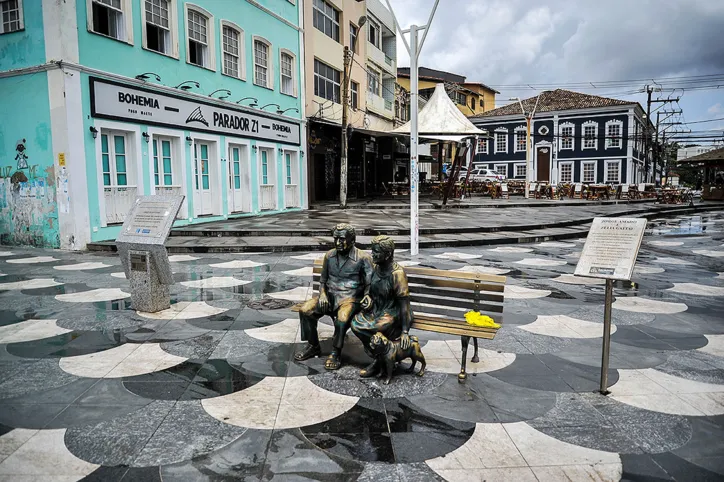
x=197 y=116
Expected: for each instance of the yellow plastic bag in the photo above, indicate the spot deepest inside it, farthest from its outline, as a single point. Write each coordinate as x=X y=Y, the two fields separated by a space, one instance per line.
x=476 y=318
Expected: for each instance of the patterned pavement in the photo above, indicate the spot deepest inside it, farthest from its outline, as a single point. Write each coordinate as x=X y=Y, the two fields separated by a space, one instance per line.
x=208 y=390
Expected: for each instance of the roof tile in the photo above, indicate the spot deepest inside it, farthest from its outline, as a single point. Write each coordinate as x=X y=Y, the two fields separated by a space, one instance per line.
x=554 y=100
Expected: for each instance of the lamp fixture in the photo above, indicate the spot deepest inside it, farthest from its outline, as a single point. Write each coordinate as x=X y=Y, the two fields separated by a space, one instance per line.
x=93 y=131
x=227 y=91
x=247 y=98
x=146 y=137
x=189 y=139
x=362 y=20
x=278 y=106
x=281 y=112
x=183 y=85
x=147 y=75
x=254 y=148
x=253 y=104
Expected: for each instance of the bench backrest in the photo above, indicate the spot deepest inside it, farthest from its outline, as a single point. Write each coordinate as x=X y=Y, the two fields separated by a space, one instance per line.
x=447 y=294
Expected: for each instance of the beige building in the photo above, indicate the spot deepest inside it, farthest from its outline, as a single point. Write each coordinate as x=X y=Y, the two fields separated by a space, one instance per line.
x=329 y=27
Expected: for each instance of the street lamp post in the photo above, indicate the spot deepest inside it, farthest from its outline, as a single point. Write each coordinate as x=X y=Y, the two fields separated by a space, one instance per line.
x=414 y=48
x=348 y=58
x=528 y=156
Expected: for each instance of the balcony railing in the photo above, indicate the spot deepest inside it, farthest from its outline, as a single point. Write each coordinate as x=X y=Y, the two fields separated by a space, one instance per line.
x=173 y=190
x=291 y=196
x=388 y=60
x=118 y=200
x=268 y=197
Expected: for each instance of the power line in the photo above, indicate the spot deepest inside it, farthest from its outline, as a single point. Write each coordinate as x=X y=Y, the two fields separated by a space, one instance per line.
x=702 y=121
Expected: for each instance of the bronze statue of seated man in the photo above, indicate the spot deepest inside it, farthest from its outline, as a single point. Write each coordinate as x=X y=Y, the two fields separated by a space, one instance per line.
x=387 y=311
x=343 y=286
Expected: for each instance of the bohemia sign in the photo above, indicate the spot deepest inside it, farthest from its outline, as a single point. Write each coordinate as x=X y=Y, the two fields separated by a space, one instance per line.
x=113 y=100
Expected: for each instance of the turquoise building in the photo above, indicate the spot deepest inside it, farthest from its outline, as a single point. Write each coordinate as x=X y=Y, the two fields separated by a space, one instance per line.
x=104 y=100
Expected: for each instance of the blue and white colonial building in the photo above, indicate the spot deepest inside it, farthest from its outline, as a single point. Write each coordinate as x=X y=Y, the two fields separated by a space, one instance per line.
x=104 y=100
x=575 y=138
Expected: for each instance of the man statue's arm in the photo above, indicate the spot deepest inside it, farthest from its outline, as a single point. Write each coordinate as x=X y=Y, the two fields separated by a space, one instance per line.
x=323 y=299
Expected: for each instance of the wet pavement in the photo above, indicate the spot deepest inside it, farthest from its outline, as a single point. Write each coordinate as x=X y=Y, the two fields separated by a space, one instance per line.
x=208 y=390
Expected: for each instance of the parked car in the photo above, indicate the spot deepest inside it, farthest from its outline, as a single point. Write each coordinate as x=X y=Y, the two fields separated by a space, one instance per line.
x=482 y=175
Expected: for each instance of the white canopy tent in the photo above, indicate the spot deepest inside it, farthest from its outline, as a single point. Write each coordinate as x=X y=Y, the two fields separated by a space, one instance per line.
x=441 y=120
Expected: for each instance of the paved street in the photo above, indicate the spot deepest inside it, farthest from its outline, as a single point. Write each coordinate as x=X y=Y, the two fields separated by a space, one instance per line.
x=208 y=390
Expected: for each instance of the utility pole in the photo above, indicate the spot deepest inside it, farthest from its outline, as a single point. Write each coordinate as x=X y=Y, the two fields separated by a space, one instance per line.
x=346 y=72
x=657 y=147
x=647 y=130
x=528 y=154
x=414 y=49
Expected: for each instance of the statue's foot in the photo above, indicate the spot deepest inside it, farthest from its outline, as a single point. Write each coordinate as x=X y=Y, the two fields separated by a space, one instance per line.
x=310 y=351
x=369 y=371
x=333 y=361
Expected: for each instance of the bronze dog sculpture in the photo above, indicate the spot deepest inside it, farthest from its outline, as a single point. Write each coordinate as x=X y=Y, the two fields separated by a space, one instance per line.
x=389 y=353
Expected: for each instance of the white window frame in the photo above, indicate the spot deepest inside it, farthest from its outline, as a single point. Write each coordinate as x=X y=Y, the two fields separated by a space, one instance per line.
x=560 y=171
x=269 y=62
x=609 y=139
x=21 y=22
x=562 y=137
x=378 y=36
x=354 y=94
x=242 y=49
x=520 y=130
x=516 y=175
x=127 y=17
x=172 y=26
x=482 y=146
x=210 y=36
x=500 y=130
x=338 y=85
x=334 y=22
x=605 y=171
x=282 y=53
x=497 y=171
x=583 y=135
x=583 y=171
x=374 y=73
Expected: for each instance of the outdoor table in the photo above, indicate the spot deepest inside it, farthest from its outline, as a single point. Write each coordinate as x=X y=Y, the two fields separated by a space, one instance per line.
x=597 y=191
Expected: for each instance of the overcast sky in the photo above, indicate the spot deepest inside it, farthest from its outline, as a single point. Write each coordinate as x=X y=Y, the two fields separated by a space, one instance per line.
x=562 y=41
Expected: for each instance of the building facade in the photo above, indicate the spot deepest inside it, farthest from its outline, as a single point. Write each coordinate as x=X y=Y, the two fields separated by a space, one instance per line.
x=471 y=98
x=367 y=29
x=135 y=97
x=574 y=138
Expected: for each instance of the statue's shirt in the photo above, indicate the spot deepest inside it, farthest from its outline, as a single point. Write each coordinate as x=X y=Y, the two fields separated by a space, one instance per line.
x=346 y=278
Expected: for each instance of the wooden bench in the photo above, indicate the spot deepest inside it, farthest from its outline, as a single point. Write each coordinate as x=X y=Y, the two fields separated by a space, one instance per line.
x=440 y=299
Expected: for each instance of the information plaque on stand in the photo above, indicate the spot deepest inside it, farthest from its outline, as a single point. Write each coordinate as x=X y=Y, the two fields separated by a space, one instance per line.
x=610 y=252
x=142 y=251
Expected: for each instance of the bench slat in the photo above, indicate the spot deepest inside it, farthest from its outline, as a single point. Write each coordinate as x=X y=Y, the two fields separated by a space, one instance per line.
x=454 y=293
x=468 y=305
x=445 y=283
x=451 y=330
x=448 y=312
x=439 y=273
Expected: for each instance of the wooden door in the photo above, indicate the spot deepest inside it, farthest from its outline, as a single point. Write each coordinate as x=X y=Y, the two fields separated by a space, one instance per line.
x=543 y=173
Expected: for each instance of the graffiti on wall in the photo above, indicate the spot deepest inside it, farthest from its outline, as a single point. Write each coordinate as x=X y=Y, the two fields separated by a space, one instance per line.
x=27 y=202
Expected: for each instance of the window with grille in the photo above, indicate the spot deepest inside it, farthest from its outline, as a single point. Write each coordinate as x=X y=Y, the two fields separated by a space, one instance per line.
x=589 y=172
x=158 y=27
x=107 y=18
x=261 y=63
x=11 y=16
x=589 y=135
x=520 y=170
x=613 y=171
x=264 y=167
x=287 y=68
x=326 y=19
x=198 y=39
x=566 y=172
x=567 y=137
x=501 y=142
x=373 y=81
x=482 y=146
x=113 y=159
x=520 y=141
x=232 y=52
x=326 y=81
x=613 y=134
x=501 y=169
x=355 y=95
x=288 y=167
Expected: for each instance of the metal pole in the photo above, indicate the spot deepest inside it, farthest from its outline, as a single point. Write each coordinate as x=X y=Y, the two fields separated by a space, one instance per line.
x=343 y=161
x=414 y=194
x=606 y=337
x=528 y=169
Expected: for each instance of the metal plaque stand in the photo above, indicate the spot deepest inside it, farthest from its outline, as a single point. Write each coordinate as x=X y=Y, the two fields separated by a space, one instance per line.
x=603 y=389
x=142 y=251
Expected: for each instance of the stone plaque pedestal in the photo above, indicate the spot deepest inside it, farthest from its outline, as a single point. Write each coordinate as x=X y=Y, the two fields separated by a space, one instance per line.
x=143 y=254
